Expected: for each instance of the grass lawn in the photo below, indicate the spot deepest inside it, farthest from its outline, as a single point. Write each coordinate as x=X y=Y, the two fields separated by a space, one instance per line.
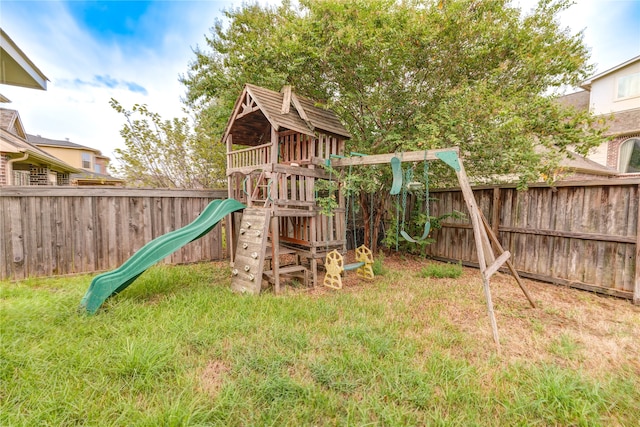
x=179 y=348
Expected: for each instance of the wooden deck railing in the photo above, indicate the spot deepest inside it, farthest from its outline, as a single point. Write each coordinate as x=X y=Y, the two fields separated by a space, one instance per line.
x=249 y=157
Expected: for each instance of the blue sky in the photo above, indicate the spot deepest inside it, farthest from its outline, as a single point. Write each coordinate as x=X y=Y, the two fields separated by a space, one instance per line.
x=134 y=51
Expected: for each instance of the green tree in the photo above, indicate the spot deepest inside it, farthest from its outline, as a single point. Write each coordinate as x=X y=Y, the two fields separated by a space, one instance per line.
x=167 y=153
x=411 y=75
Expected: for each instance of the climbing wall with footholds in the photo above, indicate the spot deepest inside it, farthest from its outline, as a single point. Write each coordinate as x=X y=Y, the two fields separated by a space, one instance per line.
x=250 y=252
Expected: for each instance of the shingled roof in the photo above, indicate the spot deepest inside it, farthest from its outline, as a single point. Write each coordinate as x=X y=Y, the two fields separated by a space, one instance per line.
x=257 y=108
x=13 y=140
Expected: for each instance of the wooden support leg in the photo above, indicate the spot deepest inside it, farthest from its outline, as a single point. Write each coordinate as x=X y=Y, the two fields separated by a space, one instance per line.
x=275 y=252
x=231 y=237
x=314 y=271
x=482 y=244
x=492 y=316
x=513 y=270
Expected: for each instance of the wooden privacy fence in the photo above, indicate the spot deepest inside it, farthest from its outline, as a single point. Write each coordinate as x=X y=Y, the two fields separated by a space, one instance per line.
x=580 y=234
x=55 y=231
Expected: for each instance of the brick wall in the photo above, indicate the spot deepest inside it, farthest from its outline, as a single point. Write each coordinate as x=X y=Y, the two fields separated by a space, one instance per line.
x=613 y=149
x=39 y=175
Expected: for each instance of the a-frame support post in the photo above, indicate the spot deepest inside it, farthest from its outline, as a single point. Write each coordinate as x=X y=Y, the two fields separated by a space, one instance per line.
x=483 y=247
x=230 y=226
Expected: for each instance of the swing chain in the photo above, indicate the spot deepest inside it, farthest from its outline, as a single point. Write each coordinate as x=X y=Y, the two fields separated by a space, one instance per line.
x=408 y=177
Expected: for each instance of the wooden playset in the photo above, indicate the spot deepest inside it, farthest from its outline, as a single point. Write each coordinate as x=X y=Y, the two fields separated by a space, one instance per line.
x=277 y=144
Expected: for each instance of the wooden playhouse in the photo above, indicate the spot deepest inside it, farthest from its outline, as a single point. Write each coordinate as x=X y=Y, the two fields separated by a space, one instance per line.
x=276 y=143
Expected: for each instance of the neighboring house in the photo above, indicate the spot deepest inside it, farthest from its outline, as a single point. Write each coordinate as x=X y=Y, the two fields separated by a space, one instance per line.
x=614 y=95
x=93 y=164
x=22 y=163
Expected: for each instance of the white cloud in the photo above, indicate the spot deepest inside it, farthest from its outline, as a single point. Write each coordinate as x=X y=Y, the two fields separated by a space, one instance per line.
x=85 y=73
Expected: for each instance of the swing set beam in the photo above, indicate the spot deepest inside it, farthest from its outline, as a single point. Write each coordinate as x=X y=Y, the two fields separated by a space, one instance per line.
x=378 y=159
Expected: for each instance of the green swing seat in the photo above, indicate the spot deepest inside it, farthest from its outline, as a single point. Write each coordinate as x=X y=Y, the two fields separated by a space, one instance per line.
x=353 y=266
x=425 y=234
x=396 y=187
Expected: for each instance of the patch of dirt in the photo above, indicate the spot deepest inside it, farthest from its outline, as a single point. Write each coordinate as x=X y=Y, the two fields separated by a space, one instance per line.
x=212 y=377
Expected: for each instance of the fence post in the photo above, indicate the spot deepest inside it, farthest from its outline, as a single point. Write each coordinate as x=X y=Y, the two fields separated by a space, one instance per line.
x=495 y=214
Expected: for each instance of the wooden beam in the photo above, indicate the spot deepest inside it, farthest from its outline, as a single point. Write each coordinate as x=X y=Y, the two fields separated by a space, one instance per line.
x=482 y=243
x=495 y=212
x=570 y=234
x=497 y=264
x=247 y=111
x=377 y=159
x=286 y=99
x=553 y=233
x=513 y=270
x=275 y=252
x=298 y=105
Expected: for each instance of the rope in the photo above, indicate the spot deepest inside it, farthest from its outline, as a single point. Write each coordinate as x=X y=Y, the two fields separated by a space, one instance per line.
x=330 y=181
x=353 y=214
x=408 y=177
x=427 y=225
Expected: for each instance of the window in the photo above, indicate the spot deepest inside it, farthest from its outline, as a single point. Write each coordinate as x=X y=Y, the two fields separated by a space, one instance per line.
x=97 y=168
x=21 y=177
x=629 y=156
x=86 y=161
x=628 y=86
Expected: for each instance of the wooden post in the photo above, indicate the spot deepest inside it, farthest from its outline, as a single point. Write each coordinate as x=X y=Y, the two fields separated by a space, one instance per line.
x=482 y=243
x=274 y=145
x=275 y=251
x=230 y=223
x=495 y=214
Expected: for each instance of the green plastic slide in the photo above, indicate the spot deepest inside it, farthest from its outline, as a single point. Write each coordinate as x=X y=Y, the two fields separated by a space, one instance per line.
x=106 y=284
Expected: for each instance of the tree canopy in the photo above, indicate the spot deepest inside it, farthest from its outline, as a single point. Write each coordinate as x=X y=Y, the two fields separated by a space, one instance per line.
x=411 y=75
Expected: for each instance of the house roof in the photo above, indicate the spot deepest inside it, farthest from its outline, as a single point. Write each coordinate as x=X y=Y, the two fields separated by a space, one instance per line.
x=587 y=83
x=579 y=100
x=623 y=123
x=17 y=69
x=580 y=164
x=10 y=121
x=39 y=140
x=12 y=142
x=91 y=177
x=257 y=107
